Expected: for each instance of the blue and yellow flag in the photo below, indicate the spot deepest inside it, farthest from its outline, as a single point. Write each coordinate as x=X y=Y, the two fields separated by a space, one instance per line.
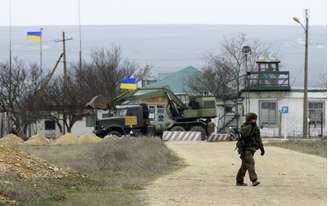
x=34 y=35
x=129 y=83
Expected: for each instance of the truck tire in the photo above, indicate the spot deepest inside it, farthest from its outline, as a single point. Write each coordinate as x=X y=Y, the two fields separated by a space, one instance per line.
x=114 y=133
x=232 y=137
x=177 y=129
x=199 y=129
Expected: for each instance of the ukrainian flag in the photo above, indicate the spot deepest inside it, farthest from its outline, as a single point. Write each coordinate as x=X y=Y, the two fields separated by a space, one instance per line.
x=34 y=35
x=129 y=83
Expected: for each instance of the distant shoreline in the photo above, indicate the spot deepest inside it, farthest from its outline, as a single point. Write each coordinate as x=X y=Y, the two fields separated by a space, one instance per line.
x=120 y=25
x=171 y=47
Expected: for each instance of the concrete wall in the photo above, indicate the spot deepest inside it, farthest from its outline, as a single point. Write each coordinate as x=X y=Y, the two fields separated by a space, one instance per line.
x=80 y=128
x=39 y=128
x=292 y=122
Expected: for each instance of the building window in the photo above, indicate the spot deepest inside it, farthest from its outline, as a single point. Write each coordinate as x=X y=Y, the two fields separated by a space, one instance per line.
x=152 y=112
x=268 y=113
x=228 y=109
x=90 y=120
x=49 y=124
x=156 y=113
x=160 y=113
x=107 y=115
x=315 y=112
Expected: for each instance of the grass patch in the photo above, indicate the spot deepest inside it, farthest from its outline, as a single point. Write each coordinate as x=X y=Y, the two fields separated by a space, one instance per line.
x=92 y=196
x=314 y=147
x=115 y=173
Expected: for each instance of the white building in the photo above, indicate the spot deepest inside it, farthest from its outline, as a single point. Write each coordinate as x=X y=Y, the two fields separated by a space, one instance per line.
x=270 y=107
x=279 y=107
x=50 y=129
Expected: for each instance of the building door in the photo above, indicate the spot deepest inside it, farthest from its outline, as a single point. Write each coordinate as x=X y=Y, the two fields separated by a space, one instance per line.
x=268 y=113
x=316 y=117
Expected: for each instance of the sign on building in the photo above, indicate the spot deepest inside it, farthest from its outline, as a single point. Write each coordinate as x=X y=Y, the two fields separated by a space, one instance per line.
x=284 y=109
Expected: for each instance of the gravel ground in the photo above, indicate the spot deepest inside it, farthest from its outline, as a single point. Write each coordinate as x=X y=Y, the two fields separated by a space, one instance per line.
x=287 y=178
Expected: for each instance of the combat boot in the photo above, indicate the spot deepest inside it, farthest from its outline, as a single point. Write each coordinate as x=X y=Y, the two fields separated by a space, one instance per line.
x=241 y=184
x=255 y=183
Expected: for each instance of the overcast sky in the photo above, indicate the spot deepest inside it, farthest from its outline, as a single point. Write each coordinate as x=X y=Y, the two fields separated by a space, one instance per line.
x=103 y=12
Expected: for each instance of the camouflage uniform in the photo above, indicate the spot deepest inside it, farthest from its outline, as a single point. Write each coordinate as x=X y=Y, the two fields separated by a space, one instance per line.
x=248 y=144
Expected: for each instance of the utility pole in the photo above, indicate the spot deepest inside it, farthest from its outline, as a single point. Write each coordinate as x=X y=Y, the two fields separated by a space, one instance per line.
x=65 y=81
x=63 y=40
x=64 y=61
x=305 y=106
x=305 y=99
x=10 y=62
x=246 y=50
x=41 y=37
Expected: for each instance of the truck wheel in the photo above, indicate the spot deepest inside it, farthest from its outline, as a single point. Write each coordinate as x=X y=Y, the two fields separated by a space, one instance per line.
x=177 y=129
x=201 y=130
x=232 y=137
x=114 y=133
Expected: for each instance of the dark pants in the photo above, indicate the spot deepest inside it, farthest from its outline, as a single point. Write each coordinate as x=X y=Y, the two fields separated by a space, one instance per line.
x=247 y=164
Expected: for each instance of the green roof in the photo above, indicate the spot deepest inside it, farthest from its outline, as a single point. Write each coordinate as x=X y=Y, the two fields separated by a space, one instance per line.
x=177 y=81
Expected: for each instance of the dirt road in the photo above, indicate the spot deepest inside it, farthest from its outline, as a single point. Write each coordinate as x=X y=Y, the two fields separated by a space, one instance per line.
x=287 y=178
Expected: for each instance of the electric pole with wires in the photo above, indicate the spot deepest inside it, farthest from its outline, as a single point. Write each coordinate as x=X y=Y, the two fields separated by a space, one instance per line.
x=65 y=78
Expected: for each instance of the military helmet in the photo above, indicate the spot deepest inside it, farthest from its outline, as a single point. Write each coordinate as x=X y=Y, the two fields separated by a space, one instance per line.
x=250 y=116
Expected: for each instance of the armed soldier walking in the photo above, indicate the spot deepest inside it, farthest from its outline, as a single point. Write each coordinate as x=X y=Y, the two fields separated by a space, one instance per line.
x=250 y=141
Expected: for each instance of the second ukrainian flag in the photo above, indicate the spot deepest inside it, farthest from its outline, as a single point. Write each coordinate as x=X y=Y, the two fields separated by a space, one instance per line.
x=129 y=83
x=34 y=35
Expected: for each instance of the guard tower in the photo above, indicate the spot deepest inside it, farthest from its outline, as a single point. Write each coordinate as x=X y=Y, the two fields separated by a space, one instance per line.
x=268 y=77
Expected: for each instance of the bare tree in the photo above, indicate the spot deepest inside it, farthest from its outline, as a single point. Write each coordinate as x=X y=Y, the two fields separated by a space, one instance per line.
x=25 y=97
x=103 y=74
x=144 y=73
x=222 y=75
x=17 y=88
x=211 y=81
x=100 y=76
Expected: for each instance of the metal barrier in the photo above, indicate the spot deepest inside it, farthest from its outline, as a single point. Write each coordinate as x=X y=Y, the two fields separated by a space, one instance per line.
x=181 y=136
x=219 y=137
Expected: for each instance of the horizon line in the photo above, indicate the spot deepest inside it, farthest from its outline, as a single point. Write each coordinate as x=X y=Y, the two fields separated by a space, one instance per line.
x=159 y=24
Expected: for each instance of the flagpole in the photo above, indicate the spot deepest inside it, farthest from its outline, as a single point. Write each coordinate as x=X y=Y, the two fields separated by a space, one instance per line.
x=10 y=40
x=80 y=35
x=41 y=36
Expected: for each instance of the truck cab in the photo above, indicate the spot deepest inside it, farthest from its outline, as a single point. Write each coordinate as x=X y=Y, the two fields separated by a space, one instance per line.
x=124 y=119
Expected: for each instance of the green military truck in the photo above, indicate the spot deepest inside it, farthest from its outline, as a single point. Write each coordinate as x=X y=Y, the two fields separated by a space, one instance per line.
x=131 y=118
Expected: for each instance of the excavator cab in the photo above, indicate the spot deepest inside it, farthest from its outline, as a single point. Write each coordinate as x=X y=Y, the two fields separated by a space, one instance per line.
x=201 y=107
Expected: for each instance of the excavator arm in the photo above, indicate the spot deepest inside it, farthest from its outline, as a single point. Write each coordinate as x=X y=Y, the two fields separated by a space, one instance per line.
x=176 y=106
x=49 y=76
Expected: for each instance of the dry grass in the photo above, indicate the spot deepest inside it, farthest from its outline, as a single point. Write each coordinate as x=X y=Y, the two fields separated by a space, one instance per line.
x=116 y=171
x=36 y=189
x=315 y=147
